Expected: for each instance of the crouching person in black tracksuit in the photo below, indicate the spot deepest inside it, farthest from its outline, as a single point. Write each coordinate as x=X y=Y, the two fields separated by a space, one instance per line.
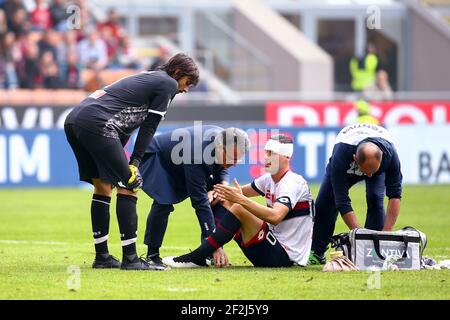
x=361 y=152
x=186 y=163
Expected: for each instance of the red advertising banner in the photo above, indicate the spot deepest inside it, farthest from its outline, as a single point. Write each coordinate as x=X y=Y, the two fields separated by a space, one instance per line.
x=339 y=113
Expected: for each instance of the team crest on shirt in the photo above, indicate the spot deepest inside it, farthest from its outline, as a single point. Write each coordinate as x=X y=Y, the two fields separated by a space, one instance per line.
x=354 y=169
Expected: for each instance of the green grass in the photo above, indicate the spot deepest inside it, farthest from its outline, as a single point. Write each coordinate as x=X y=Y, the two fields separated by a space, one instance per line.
x=52 y=229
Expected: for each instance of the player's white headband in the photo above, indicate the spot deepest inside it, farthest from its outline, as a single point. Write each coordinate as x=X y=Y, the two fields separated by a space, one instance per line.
x=284 y=149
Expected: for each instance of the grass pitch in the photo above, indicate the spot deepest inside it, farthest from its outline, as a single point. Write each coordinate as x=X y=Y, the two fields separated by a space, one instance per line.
x=45 y=233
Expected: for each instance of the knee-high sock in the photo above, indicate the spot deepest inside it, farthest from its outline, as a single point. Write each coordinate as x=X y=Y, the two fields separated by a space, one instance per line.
x=128 y=222
x=100 y=222
x=224 y=232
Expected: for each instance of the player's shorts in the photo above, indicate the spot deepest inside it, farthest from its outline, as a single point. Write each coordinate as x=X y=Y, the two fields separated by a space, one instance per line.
x=264 y=250
x=98 y=157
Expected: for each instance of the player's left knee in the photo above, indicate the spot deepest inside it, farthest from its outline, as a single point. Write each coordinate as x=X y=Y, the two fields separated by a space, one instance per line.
x=237 y=209
x=102 y=188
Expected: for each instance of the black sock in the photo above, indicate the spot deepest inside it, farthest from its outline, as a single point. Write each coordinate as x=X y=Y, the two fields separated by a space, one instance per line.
x=128 y=220
x=100 y=222
x=152 y=252
x=224 y=232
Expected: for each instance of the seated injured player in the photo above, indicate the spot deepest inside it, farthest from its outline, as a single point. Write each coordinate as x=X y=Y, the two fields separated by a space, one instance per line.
x=276 y=235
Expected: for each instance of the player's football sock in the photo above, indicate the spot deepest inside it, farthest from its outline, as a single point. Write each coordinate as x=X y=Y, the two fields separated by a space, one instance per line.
x=128 y=221
x=223 y=234
x=102 y=256
x=100 y=222
x=130 y=257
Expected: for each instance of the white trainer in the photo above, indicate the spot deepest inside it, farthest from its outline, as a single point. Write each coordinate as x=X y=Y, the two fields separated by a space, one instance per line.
x=169 y=261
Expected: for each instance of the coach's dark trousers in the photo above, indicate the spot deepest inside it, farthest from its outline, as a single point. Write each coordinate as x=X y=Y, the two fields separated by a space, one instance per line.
x=326 y=212
x=156 y=225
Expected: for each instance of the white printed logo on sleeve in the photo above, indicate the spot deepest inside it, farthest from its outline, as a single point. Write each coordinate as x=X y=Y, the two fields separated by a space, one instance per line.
x=355 y=133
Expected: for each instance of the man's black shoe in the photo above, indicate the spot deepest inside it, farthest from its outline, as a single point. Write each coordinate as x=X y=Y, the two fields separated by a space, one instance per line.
x=135 y=263
x=105 y=261
x=156 y=263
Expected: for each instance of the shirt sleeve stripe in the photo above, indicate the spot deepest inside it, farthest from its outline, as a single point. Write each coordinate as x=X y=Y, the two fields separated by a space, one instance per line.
x=256 y=189
x=157 y=112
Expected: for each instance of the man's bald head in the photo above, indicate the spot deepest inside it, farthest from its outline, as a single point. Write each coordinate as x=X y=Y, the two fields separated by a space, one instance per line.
x=368 y=158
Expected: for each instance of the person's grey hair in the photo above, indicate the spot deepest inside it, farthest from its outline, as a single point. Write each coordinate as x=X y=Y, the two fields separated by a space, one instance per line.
x=232 y=137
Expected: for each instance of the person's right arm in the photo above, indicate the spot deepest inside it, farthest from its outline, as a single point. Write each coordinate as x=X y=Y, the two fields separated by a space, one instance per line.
x=235 y=194
x=196 y=187
x=393 y=183
x=248 y=191
x=340 y=184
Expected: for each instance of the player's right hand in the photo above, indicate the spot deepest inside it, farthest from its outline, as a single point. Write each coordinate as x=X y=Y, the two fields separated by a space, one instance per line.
x=220 y=259
x=135 y=182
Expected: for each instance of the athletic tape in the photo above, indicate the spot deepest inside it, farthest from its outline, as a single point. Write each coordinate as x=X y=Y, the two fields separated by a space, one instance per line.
x=284 y=149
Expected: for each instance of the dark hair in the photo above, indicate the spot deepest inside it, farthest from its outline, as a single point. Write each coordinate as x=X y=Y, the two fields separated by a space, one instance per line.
x=282 y=138
x=361 y=154
x=186 y=66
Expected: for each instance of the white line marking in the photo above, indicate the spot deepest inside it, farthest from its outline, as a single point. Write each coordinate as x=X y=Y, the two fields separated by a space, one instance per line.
x=71 y=244
x=182 y=289
x=52 y=243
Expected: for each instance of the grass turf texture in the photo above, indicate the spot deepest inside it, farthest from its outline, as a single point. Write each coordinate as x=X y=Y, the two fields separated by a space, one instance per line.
x=44 y=231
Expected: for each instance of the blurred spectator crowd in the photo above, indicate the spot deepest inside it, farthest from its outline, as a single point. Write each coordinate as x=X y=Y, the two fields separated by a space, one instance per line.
x=49 y=43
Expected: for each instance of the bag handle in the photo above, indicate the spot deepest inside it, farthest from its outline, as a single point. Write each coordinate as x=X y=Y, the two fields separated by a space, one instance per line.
x=422 y=238
x=406 y=242
x=376 y=244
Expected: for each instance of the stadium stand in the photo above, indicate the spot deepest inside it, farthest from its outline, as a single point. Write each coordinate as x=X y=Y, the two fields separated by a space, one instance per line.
x=235 y=48
x=39 y=49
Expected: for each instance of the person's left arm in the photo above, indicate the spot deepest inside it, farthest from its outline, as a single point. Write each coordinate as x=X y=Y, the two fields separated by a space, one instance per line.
x=157 y=109
x=146 y=132
x=196 y=185
x=393 y=182
x=235 y=194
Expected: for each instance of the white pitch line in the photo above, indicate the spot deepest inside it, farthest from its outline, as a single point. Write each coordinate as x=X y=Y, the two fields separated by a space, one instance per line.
x=51 y=243
x=182 y=289
x=72 y=244
x=57 y=243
